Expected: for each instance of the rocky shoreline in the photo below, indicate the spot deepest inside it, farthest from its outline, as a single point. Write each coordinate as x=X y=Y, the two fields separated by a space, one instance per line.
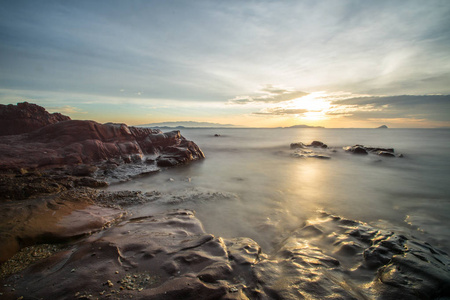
x=64 y=237
x=83 y=243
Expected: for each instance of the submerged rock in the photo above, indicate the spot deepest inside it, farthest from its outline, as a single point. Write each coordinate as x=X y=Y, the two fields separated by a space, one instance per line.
x=314 y=144
x=309 y=154
x=302 y=151
x=357 y=149
x=318 y=144
x=299 y=145
x=168 y=255
x=360 y=149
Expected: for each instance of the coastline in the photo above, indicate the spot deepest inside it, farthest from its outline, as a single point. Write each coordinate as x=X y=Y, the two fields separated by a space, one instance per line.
x=64 y=235
x=93 y=247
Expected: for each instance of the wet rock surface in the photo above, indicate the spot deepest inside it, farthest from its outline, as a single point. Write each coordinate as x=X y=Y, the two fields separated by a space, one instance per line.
x=55 y=218
x=360 y=149
x=168 y=255
x=316 y=149
x=321 y=150
x=114 y=152
x=338 y=258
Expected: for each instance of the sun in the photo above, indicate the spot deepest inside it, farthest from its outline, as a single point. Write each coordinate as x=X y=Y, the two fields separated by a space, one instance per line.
x=315 y=105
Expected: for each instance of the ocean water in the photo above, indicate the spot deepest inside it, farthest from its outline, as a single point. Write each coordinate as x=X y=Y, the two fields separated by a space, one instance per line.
x=251 y=185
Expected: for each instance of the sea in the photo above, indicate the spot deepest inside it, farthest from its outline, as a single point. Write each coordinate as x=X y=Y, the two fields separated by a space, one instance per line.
x=252 y=184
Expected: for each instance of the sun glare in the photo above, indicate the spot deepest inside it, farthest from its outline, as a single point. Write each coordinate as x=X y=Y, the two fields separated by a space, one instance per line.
x=314 y=104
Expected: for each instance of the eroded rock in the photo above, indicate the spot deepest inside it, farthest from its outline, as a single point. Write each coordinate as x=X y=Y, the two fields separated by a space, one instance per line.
x=170 y=256
x=26 y=117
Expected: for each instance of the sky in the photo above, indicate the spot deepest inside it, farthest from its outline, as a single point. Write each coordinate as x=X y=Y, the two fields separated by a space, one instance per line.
x=337 y=63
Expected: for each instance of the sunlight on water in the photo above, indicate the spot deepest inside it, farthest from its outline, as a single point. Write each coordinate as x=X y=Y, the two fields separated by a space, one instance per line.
x=251 y=185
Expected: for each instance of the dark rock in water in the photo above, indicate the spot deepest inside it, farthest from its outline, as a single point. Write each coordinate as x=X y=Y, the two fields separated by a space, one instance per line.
x=309 y=154
x=318 y=144
x=166 y=161
x=74 y=142
x=315 y=144
x=26 y=117
x=382 y=127
x=302 y=152
x=185 y=151
x=378 y=149
x=217 y=135
x=297 y=145
x=357 y=149
x=385 y=154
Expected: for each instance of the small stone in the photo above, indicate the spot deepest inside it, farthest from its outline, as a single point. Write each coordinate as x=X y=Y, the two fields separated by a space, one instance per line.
x=73 y=270
x=110 y=284
x=234 y=289
x=117 y=272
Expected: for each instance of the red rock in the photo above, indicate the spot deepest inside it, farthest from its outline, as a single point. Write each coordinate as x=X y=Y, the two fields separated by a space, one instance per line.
x=26 y=117
x=73 y=142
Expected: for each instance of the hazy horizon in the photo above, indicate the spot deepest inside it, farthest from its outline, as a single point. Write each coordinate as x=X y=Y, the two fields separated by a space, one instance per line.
x=336 y=64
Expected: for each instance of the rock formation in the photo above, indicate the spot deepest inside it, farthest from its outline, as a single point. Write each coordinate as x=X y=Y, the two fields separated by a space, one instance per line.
x=360 y=149
x=26 y=117
x=73 y=142
x=170 y=256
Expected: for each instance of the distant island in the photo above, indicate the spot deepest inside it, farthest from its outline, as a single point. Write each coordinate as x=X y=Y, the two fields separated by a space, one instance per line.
x=382 y=127
x=187 y=124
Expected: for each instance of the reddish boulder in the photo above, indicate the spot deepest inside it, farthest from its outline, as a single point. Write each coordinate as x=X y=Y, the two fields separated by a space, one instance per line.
x=26 y=117
x=73 y=142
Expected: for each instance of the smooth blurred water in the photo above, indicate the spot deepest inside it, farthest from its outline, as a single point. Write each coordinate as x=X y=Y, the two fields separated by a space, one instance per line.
x=250 y=185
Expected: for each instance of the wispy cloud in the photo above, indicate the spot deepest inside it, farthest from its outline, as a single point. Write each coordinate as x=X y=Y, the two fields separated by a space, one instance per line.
x=281 y=111
x=180 y=54
x=269 y=94
x=66 y=109
x=428 y=107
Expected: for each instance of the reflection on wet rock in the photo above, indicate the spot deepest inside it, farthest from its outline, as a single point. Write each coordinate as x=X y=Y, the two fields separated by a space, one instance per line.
x=169 y=255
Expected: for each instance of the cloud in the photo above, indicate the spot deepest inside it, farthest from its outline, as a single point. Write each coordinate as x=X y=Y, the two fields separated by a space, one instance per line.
x=269 y=94
x=430 y=107
x=66 y=109
x=281 y=111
